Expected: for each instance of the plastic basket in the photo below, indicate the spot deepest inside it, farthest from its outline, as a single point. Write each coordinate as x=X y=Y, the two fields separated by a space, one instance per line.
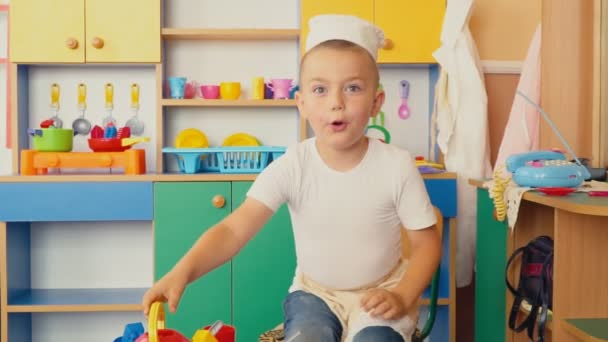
x=225 y=159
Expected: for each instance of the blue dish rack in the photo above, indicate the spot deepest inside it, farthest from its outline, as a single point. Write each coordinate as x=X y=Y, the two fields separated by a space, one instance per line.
x=231 y=159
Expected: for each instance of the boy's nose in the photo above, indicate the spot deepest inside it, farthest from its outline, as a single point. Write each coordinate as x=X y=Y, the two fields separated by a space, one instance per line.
x=337 y=101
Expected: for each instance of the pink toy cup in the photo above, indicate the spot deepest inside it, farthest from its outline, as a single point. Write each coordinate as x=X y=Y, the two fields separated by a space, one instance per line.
x=210 y=91
x=190 y=90
x=281 y=87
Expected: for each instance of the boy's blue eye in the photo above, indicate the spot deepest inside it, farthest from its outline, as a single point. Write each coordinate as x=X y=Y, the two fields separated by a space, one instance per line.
x=353 y=88
x=318 y=90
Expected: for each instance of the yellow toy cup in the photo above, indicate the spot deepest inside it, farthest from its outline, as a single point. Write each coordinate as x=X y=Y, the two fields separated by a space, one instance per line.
x=230 y=90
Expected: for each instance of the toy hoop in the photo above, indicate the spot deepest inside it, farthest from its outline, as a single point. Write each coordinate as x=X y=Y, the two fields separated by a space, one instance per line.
x=387 y=135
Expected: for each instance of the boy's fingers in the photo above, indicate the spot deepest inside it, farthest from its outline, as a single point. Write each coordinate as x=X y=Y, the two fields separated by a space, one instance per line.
x=372 y=300
x=174 y=297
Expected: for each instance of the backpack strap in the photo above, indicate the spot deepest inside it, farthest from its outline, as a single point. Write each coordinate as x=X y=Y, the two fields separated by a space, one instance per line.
x=517 y=298
x=544 y=294
x=517 y=252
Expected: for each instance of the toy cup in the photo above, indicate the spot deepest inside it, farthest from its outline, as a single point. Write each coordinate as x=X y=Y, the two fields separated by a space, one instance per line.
x=177 y=87
x=281 y=87
x=210 y=91
x=230 y=90
x=268 y=93
x=190 y=90
x=257 y=88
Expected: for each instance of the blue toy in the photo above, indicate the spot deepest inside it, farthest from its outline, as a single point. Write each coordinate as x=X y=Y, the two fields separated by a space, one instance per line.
x=131 y=333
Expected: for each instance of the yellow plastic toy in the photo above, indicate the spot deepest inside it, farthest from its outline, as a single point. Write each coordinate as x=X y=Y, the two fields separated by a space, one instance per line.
x=241 y=139
x=191 y=138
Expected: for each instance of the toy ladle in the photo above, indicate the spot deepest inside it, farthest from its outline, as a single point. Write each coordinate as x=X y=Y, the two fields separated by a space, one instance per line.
x=136 y=125
x=81 y=125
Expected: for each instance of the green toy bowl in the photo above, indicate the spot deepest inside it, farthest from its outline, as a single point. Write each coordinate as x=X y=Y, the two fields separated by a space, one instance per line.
x=52 y=139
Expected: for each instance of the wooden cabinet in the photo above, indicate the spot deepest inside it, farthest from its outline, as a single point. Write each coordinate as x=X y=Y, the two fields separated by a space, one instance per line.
x=182 y=212
x=262 y=273
x=85 y=31
x=577 y=223
x=247 y=292
x=22 y=299
x=412 y=27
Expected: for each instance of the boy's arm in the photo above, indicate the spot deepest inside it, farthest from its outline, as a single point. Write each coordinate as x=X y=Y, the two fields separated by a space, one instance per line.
x=424 y=259
x=224 y=240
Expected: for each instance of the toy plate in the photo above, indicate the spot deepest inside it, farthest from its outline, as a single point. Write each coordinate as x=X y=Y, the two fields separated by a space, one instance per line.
x=556 y=191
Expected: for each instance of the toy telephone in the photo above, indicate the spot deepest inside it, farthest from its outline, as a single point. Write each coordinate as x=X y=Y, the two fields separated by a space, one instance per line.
x=545 y=169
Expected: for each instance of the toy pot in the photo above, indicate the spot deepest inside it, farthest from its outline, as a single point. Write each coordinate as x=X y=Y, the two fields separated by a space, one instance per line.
x=52 y=139
x=281 y=87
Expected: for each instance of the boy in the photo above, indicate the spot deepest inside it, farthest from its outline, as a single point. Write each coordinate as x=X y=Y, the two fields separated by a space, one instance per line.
x=348 y=198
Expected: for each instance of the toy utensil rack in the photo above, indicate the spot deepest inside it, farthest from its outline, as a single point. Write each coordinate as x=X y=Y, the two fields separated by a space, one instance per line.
x=37 y=163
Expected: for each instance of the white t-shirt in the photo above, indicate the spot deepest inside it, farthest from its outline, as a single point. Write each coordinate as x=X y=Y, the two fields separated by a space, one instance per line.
x=347 y=225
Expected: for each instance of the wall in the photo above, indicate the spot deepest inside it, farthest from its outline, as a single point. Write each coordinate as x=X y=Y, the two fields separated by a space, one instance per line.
x=502 y=30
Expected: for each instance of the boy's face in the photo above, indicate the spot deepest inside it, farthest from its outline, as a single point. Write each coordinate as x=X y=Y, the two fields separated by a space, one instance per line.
x=338 y=94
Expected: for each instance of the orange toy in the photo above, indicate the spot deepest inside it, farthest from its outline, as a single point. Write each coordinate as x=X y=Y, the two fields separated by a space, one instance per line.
x=37 y=163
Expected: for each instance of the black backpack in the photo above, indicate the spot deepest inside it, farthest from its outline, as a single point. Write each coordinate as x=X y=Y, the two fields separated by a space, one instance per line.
x=535 y=285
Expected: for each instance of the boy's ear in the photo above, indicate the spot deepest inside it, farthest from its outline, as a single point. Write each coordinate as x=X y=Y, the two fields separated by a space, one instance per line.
x=378 y=102
x=300 y=103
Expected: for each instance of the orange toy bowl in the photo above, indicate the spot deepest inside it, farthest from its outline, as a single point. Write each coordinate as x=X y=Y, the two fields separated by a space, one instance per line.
x=107 y=145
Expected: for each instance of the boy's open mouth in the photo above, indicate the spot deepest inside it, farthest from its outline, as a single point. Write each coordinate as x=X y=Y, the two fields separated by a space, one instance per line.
x=338 y=125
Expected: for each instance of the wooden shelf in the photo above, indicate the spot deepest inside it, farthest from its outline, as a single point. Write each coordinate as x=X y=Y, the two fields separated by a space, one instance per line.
x=230 y=34
x=76 y=300
x=587 y=329
x=149 y=177
x=226 y=103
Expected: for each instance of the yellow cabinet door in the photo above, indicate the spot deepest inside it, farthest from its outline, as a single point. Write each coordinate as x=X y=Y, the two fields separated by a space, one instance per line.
x=123 y=31
x=47 y=31
x=414 y=27
x=309 y=8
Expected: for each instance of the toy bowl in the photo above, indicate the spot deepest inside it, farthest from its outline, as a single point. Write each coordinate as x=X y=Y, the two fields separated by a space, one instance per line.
x=230 y=90
x=210 y=91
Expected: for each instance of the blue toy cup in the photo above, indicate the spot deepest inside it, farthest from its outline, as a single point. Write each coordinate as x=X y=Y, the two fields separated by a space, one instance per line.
x=177 y=86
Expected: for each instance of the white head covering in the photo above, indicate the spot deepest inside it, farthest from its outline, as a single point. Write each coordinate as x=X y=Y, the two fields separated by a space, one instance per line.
x=326 y=27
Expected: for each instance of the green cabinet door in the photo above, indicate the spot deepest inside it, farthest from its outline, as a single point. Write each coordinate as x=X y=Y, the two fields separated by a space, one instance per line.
x=490 y=263
x=182 y=211
x=262 y=273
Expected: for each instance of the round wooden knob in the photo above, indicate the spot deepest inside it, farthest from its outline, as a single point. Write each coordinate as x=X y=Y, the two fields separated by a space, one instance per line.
x=388 y=44
x=218 y=201
x=97 y=43
x=71 y=43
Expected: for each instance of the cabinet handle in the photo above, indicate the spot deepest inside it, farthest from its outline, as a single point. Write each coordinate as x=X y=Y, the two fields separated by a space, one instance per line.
x=97 y=42
x=218 y=201
x=388 y=44
x=71 y=43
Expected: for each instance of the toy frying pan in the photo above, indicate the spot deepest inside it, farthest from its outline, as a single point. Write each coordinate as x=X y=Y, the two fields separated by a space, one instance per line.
x=114 y=144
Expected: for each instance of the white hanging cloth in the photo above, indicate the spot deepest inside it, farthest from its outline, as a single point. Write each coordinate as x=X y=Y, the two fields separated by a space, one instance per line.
x=461 y=123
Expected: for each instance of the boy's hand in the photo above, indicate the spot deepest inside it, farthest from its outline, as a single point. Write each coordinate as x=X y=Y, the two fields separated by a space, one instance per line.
x=383 y=303
x=168 y=289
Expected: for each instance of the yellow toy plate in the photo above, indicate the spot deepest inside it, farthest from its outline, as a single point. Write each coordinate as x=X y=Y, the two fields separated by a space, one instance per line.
x=191 y=138
x=241 y=139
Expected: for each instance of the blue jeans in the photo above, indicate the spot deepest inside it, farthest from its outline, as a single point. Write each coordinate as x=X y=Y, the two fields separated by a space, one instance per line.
x=309 y=315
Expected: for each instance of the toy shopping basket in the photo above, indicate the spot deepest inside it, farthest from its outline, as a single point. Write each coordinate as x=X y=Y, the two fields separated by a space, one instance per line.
x=157 y=332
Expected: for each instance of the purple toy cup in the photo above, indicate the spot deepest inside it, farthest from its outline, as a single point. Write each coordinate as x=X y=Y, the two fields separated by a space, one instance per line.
x=210 y=91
